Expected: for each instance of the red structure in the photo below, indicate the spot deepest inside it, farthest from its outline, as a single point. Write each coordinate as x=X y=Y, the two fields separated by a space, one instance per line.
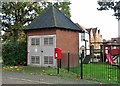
x=57 y=53
x=110 y=51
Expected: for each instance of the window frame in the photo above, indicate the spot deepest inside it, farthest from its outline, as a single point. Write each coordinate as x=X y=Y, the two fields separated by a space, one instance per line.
x=36 y=60
x=48 y=41
x=35 y=41
x=82 y=36
x=49 y=60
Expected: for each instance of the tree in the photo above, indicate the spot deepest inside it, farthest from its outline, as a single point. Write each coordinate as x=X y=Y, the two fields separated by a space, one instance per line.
x=110 y=4
x=16 y=15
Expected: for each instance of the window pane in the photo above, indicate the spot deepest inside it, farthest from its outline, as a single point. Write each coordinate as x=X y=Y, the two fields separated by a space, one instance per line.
x=33 y=41
x=45 y=41
x=37 y=60
x=50 y=59
x=50 y=41
x=45 y=59
x=32 y=59
x=37 y=41
x=82 y=36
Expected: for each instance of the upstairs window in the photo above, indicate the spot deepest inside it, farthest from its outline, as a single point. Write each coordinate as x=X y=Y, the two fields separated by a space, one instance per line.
x=48 y=41
x=82 y=36
x=35 y=41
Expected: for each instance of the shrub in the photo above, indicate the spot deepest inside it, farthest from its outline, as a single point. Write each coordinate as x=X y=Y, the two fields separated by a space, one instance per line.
x=14 y=53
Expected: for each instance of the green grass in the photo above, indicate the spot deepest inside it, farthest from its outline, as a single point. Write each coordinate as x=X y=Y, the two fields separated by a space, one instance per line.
x=39 y=71
x=100 y=72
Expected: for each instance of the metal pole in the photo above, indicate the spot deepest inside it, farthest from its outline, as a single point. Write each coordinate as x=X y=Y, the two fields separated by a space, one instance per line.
x=57 y=66
x=60 y=63
x=82 y=56
x=118 y=79
x=103 y=53
x=85 y=47
x=68 y=61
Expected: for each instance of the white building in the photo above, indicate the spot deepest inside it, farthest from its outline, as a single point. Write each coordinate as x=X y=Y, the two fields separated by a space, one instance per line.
x=84 y=40
x=118 y=28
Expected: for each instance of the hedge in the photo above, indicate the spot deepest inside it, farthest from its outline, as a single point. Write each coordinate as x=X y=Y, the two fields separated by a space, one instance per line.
x=14 y=53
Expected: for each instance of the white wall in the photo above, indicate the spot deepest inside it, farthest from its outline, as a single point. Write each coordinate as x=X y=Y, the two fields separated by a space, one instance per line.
x=82 y=43
x=119 y=28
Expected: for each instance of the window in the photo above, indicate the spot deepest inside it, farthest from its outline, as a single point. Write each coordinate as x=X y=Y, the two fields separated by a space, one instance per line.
x=82 y=36
x=45 y=41
x=35 y=60
x=32 y=59
x=48 y=41
x=45 y=59
x=48 y=59
x=35 y=41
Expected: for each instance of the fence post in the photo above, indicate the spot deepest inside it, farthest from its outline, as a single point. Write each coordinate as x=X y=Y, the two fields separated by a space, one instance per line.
x=60 y=63
x=68 y=61
x=118 y=77
x=57 y=66
x=92 y=52
x=82 y=56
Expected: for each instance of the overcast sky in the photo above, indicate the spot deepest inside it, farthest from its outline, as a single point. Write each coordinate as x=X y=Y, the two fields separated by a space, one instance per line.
x=86 y=14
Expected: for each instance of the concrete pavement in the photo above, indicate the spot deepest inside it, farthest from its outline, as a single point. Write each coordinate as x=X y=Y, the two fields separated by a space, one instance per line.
x=22 y=78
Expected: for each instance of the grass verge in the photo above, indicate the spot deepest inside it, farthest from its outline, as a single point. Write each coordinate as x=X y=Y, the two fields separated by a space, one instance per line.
x=40 y=71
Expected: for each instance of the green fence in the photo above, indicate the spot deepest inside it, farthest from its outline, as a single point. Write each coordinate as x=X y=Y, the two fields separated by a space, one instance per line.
x=99 y=71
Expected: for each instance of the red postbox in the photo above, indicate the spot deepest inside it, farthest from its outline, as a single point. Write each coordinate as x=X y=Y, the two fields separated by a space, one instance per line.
x=57 y=53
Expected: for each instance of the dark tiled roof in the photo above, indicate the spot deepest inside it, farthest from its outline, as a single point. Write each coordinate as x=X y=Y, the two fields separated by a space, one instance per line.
x=53 y=18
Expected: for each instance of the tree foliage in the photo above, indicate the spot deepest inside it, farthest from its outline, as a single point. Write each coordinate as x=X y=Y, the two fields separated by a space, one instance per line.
x=16 y=15
x=110 y=4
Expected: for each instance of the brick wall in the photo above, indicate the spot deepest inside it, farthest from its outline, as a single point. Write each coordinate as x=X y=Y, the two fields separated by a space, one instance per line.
x=41 y=32
x=68 y=42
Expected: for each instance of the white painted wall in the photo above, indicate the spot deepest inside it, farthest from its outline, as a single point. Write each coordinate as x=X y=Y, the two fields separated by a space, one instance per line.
x=119 y=28
x=82 y=43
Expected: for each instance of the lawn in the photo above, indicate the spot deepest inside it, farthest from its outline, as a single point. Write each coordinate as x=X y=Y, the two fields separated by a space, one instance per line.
x=101 y=72
x=39 y=70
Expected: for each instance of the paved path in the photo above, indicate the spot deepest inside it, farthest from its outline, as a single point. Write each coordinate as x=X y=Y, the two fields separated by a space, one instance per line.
x=22 y=78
